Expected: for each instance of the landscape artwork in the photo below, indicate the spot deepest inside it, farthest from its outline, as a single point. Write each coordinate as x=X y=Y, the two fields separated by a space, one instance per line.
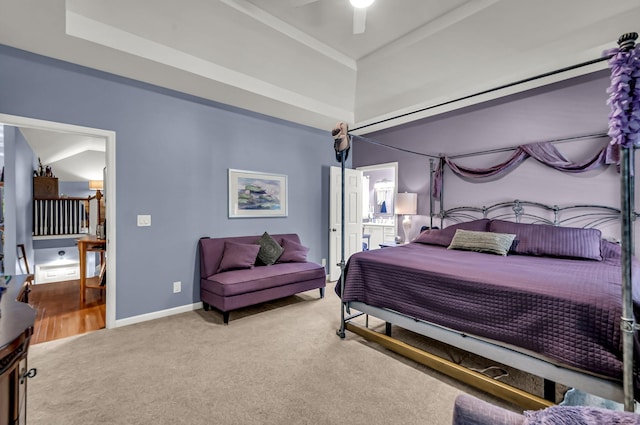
x=255 y=194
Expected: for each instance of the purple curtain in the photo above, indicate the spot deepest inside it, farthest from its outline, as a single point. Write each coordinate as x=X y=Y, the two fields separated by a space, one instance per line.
x=544 y=152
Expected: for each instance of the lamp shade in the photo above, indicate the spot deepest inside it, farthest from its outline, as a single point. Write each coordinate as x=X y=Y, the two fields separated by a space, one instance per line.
x=95 y=184
x=406 y=203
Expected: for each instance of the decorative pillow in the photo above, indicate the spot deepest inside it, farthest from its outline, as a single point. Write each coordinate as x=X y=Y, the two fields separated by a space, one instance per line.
x=553 y=241
x=293 y=252
x=579 y=415
x=238 y=256
x=610 y=250
x=444 y=236
x=270 y=249
x=493 y=243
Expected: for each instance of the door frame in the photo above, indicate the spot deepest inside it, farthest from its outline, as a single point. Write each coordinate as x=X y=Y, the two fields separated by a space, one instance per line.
x=110 y=162
x=385 y=166
x=335 y=229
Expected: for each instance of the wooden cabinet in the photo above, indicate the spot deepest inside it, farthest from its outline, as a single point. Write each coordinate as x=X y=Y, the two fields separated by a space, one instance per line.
x=379 y=234
x=45 y=188
x=13 y=394
x=16 y=328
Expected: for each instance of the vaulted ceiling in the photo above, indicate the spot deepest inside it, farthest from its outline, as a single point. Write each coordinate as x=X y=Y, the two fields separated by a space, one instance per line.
x=299 y=59
x=72 y=157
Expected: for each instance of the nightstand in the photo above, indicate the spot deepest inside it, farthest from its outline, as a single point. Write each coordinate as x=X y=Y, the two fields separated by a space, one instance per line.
x=390 y=244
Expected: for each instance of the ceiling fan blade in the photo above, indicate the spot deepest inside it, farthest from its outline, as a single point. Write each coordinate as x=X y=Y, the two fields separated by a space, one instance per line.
x=300 y=3
x=359 y=20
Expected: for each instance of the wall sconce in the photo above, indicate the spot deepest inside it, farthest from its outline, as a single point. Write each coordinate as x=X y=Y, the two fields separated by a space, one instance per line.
x=407 y=205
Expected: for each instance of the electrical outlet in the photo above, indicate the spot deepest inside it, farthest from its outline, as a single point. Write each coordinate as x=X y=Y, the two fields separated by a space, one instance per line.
x=144 y=220
x=177 y=287
x=324 y=262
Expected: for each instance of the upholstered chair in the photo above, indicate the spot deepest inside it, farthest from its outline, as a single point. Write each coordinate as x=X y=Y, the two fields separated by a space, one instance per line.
x=469 y=410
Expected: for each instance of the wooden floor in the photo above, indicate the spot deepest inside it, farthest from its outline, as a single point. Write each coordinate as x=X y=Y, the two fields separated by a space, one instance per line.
x=59 y=313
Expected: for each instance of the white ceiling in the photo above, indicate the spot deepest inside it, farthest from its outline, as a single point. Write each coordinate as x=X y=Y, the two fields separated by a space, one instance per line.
x=72 y=157
x=304 y=64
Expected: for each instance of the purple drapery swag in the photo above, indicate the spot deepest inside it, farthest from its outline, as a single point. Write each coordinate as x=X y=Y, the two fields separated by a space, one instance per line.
x=544 y=152
x=624 y=129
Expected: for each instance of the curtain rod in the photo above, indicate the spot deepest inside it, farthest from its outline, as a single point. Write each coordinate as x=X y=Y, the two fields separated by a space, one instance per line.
x=562 y=140
x=373 y=142
x=504 y=86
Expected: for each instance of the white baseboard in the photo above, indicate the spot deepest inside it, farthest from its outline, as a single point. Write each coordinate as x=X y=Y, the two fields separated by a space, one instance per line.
x=157 y=314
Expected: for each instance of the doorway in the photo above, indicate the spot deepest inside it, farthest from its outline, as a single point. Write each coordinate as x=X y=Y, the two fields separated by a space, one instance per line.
x=352 y=225
x=110 y=191
x=379 y=224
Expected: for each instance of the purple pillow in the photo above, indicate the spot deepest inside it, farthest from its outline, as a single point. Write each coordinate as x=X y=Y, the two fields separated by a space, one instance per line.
x=293 y=252
x=445 y=236
x=552 y=241
x=238 y=256
x=610 y=250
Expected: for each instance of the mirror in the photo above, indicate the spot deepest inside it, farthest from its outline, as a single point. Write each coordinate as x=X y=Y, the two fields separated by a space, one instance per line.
x=379 y=189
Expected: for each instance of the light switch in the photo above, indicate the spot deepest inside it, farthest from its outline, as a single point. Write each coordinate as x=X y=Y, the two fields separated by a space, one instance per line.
x=144 y=220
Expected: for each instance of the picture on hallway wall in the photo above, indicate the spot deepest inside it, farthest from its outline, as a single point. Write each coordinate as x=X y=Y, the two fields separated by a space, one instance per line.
x=255 y=194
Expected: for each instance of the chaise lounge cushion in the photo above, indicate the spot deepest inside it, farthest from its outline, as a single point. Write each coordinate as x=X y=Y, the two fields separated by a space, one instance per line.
x=236 y=282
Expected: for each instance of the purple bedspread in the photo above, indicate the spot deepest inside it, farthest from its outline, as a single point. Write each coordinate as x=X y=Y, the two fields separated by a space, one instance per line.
x=567 y=310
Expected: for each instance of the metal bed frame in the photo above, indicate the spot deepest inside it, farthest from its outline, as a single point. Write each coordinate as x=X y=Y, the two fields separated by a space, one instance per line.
x=521 y=359
x=509 y=355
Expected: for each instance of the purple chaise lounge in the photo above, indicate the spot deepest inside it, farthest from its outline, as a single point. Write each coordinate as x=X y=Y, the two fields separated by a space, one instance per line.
x=248 y=284
x=469 y=410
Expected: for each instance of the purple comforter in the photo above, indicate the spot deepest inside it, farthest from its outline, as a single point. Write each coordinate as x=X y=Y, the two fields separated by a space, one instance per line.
x=567 y=310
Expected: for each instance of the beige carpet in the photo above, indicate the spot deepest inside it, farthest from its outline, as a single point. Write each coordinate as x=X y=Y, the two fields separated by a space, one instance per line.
x=279 y=363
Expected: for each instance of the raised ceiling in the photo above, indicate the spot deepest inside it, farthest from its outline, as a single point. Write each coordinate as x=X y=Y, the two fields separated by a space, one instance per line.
x=71 y=157
x=304 y=64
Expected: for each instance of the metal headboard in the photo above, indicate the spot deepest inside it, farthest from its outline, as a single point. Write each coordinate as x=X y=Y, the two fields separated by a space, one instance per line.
x=534 y=212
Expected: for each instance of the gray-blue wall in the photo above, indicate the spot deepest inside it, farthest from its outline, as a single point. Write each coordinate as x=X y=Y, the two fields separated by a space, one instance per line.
x=75 y=189
x=18 y=193
x=172 y=156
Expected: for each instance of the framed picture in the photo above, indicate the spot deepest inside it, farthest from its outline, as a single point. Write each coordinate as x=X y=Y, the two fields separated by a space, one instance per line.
x=254 y=194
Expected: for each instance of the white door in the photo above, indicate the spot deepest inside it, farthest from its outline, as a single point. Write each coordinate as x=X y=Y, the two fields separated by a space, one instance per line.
x=352 y=217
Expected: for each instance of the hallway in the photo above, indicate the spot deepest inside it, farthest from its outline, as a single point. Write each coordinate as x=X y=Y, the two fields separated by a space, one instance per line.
x=59 y=313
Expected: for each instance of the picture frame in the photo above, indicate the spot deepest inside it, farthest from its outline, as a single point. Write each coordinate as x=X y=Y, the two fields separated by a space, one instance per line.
x=257 y=194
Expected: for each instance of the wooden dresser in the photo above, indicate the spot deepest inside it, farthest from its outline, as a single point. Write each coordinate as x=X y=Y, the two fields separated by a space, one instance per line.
x=16 y=328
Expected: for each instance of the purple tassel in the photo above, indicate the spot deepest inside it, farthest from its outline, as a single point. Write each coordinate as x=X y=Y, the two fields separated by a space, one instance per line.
x=624 y=119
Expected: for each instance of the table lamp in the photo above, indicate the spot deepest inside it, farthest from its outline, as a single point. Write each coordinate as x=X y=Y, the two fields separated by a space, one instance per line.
x=96 y=185
x=407 y=205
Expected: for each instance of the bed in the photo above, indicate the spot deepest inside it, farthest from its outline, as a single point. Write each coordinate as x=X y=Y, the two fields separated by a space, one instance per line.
x=550 y=307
